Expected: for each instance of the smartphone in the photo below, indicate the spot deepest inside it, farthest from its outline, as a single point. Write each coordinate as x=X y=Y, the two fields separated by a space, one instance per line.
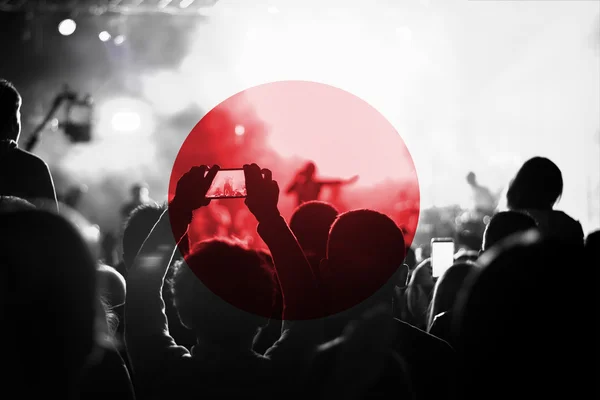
x=228 y=184
x=442 y=255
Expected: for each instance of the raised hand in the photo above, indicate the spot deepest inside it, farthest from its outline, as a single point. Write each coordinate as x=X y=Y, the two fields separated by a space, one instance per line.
x=262 y=192
x=192 y=187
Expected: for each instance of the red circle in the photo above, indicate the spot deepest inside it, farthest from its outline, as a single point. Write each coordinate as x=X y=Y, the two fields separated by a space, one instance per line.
x=369 y=143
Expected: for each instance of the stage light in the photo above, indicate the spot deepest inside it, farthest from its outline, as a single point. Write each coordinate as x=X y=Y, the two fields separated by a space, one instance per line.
x=67 y=27
x=119 y=40
x=240 y=130
x=123 y=142
x=104 y=36
x=126 y=121
x=124 y=117
x=185 y=3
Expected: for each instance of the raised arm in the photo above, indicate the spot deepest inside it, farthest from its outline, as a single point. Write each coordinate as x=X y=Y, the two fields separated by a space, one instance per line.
x=147 y=337
x=298 y=284
x=337 y=182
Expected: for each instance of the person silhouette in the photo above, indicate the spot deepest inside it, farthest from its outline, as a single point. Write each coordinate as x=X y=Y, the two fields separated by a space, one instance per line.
x=536 y=189
x=484 y=201
x=307 y=188
x=22 y=174
x=140 y=195
x=228 y=187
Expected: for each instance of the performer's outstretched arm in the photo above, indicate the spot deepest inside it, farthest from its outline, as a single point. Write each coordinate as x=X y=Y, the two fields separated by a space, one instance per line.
x=334 y=182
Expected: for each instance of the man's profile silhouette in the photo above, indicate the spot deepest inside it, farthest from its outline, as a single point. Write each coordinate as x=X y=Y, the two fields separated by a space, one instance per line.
x=22 y=174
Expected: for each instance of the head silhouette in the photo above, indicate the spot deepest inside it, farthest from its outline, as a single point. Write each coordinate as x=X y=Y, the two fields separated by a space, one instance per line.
x=505 y=224
x=137 y=228
x=310 y=169
x=471 y=178
x=139 y=192
x=10 y=111
x=418 y=293
x=538 y=185
x=447 y=289
x=364 y=251
x=224 y=292
x=311 y=223
x=507 y=321
x=48 y=302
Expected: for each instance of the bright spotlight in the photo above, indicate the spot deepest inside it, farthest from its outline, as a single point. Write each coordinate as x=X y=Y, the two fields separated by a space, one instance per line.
x=121 y=117
x=185 y=3
x=126 y=121
x=123 y=141
x=67 y=27
x=104 y=36
x=273 y=10
x=119 y=40
x=240 y=130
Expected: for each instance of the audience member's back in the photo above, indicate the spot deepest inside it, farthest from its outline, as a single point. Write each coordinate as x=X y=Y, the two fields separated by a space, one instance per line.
x=445 y=293
x=362 y=363
x=417 y=296
x=504 y=224
x=22 y=174
x=520 y=333
x=310 y=223
x=48 y=297
x=270 y=333
x=364 y=252
x=592 y=256
x=222 y=363
x=137 y=228
x=536 y=188
x=592 y=250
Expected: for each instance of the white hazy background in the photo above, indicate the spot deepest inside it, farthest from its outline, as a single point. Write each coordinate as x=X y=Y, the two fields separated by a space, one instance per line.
x=470 y=85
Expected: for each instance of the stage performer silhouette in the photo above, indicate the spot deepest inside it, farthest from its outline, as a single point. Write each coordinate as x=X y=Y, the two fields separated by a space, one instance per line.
x=308 y=188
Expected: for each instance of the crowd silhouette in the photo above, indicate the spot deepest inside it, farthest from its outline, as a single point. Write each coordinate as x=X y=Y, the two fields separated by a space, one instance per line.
x=336 y=306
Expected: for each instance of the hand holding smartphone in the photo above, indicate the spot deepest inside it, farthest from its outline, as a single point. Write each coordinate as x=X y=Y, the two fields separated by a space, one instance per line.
x=442 y=255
